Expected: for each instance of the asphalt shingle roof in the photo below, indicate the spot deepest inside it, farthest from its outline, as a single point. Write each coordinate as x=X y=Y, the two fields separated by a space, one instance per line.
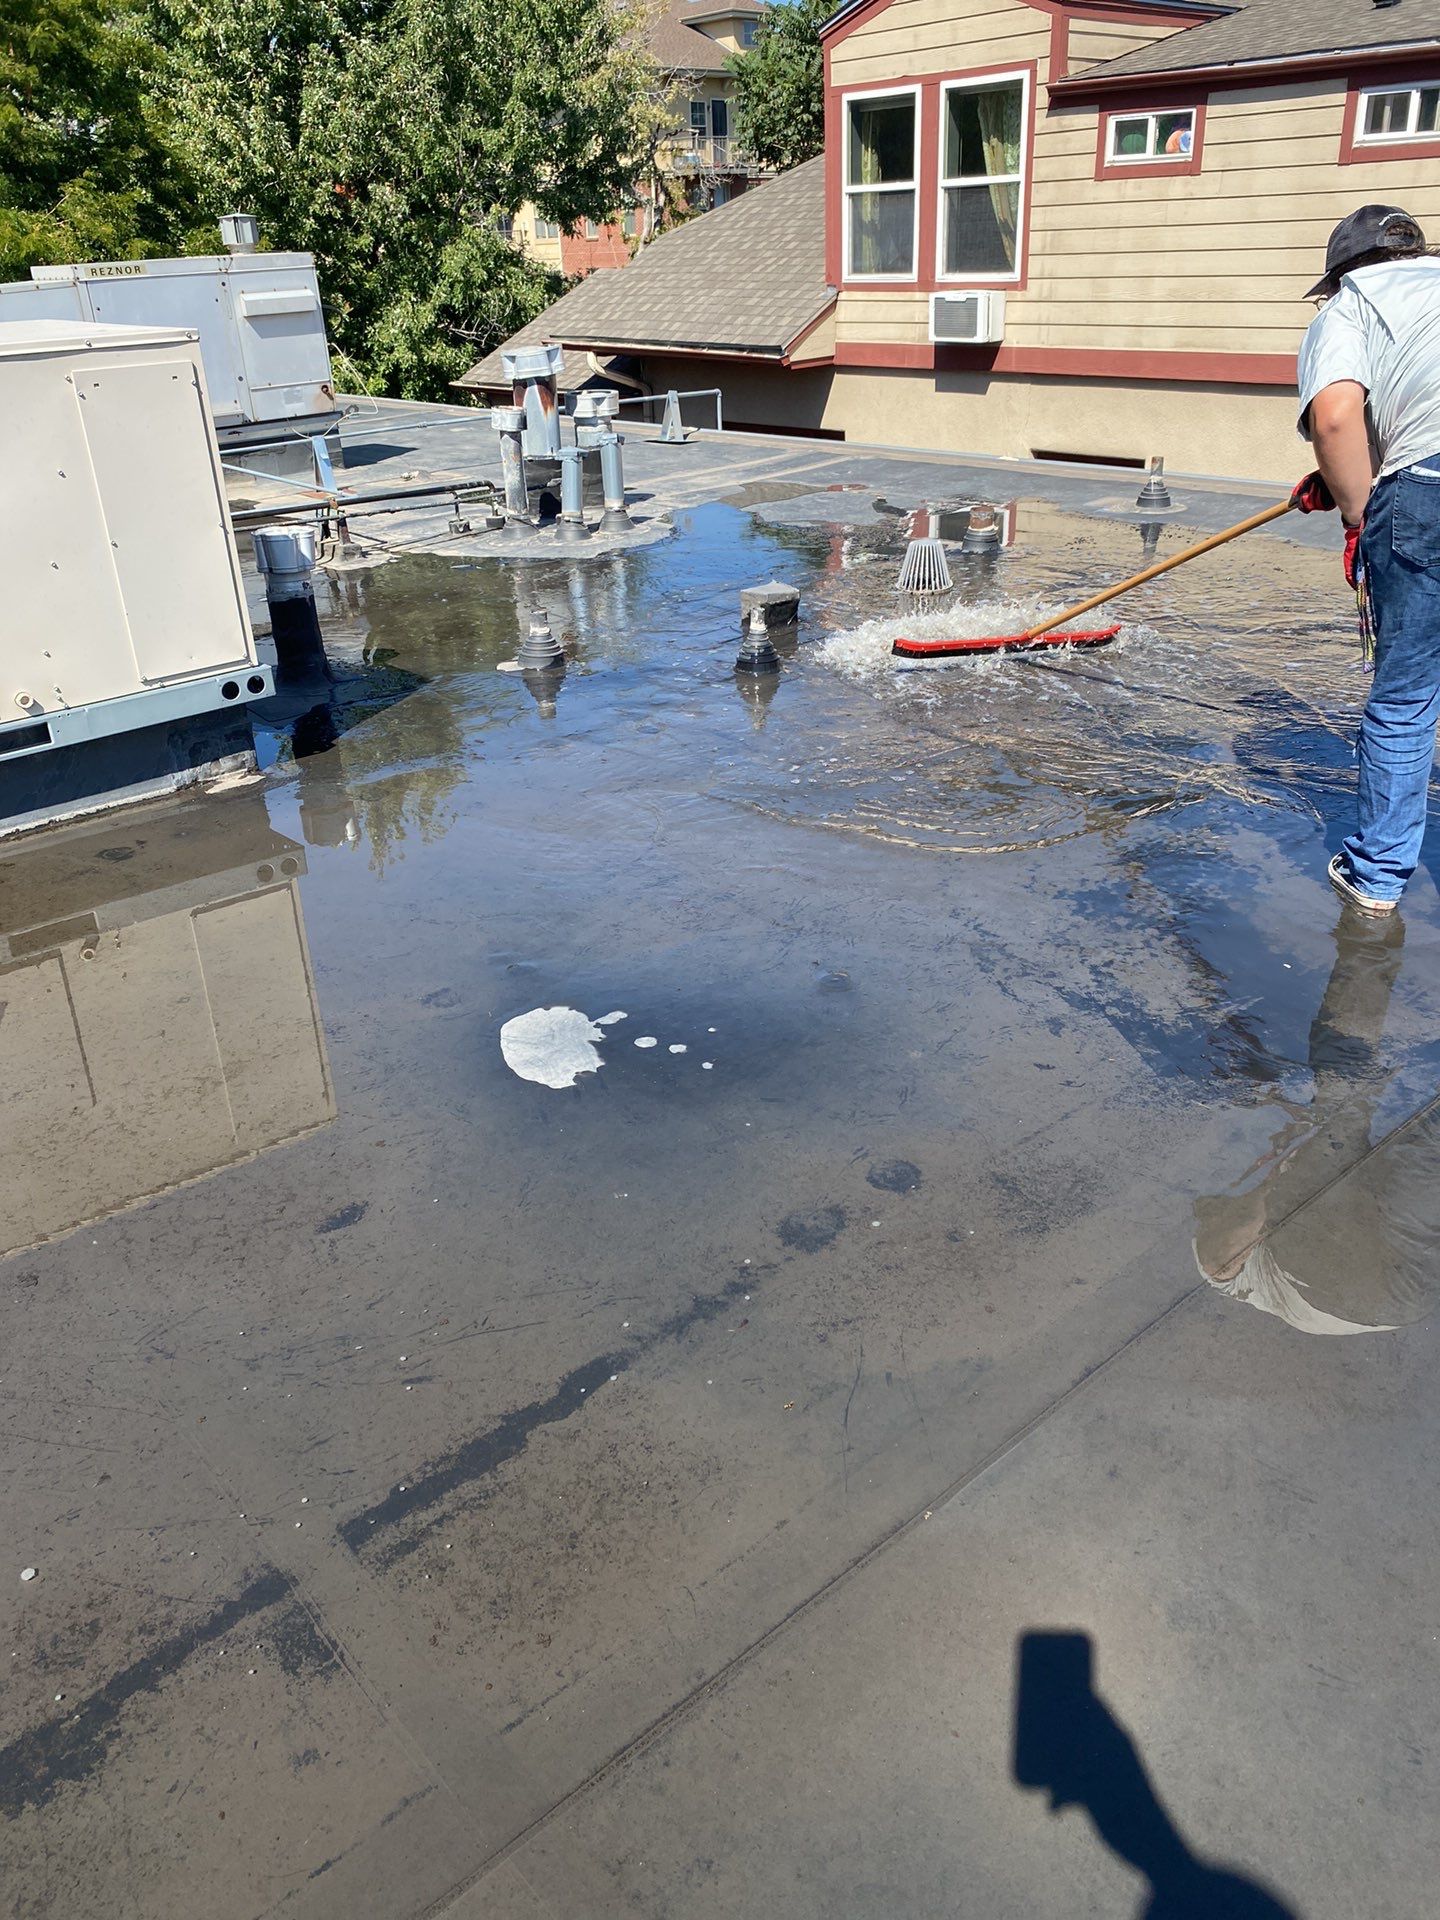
x=1278 y=30
x=679 y=46
x=747 y=278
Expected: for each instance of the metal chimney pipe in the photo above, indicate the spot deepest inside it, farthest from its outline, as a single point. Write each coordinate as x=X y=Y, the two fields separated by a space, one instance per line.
x=285 y=557
x=532 y=373
x=572 y=496
x=612 y=478
x=509 y=423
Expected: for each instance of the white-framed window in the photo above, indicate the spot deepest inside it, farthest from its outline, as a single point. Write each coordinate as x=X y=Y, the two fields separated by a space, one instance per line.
x=699 y=119
x=546 y=229
x=881 y=164
x=1132 y=139
x=1388 y=114
x=748 y=31
x=984 y=154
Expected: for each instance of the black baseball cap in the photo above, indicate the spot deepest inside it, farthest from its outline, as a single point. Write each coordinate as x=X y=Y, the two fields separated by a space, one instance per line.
x=1367 y=230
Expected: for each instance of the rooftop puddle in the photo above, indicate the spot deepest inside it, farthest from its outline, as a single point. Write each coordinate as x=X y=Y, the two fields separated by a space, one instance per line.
x=984 y=1003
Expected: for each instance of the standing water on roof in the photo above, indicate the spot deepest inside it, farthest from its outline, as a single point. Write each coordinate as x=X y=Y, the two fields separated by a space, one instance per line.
x=582 y=1350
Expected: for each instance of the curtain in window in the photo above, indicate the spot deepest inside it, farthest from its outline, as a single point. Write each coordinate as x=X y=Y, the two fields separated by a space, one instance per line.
x=1000 y=134
x=882 y=154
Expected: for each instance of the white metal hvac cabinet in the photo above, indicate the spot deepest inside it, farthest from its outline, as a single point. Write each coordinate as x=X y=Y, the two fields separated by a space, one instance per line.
x=122 y=605
x=262 y=333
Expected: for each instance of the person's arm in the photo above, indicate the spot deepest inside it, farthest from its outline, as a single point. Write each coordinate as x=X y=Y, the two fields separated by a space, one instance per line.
x=1342 y=446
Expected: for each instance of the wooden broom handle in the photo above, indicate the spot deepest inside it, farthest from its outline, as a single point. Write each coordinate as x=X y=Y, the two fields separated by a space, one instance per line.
x=1164 y=566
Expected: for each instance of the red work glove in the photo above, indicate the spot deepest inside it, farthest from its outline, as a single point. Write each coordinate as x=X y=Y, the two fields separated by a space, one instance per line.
x=1352 y=554
x=1313 y=496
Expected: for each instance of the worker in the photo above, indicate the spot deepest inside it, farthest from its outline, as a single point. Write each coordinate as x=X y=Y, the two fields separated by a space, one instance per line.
x=1370 y=406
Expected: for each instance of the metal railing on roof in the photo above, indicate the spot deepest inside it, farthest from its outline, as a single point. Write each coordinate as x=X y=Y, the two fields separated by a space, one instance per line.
x=669 y=402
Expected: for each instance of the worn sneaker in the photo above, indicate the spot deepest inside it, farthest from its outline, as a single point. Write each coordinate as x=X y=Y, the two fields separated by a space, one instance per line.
x=1346 y=888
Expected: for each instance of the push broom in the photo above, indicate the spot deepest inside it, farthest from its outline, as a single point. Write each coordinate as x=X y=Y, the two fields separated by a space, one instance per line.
x=1053 y=633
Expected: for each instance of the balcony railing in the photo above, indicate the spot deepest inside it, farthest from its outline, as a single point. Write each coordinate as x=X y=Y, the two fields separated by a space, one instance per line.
x=708 y=153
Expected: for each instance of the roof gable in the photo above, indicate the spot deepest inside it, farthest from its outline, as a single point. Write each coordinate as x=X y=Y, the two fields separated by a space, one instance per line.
x=1261 y=31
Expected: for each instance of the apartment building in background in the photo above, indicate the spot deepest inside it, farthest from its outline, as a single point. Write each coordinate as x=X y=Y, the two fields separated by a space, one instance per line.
x=700 y=162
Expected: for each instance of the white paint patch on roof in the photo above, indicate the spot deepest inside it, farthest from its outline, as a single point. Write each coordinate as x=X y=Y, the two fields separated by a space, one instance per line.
x=551 y=1045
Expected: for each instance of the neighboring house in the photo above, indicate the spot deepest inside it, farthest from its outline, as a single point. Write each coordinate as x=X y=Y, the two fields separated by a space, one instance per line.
x=736 y=299
x=1136 y=193
x=698 y=165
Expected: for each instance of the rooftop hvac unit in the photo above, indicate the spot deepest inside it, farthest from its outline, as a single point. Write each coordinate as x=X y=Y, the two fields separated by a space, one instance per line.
x=262 y=333
x=124 y=605
x=967 y=319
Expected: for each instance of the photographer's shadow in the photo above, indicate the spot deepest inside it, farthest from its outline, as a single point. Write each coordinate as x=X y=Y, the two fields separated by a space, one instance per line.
x=1068 y=1742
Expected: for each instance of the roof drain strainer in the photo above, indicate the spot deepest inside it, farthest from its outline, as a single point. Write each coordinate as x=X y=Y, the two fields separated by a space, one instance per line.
x=924 y=568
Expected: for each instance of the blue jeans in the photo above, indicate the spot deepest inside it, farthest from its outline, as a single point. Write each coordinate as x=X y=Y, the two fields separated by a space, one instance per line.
x=1401 y=551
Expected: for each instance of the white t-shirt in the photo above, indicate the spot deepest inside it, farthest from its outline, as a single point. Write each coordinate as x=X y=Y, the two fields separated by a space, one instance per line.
x=1383 y=330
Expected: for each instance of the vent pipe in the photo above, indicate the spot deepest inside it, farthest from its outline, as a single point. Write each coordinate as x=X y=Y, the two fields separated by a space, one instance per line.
x=239 y=232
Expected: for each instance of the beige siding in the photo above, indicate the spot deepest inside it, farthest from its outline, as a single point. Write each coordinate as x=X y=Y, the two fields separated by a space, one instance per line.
x=1216 y=261
x=940 y=36
x=1092 y=41
x=877 y=317
x=764 y=397
x=1241 y=432
x=1211 y=262
x=821 y=341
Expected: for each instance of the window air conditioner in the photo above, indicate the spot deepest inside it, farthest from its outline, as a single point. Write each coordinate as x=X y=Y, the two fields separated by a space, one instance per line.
x=967 y=319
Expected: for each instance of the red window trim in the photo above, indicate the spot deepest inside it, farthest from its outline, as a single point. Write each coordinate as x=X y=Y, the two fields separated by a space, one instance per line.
x=1190 y=163
x=927 y=278
x=1355 y=152
x=1093 y=363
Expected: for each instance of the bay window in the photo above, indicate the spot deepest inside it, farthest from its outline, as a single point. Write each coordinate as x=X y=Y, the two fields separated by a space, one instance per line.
x=881 y=184
x=983 y=157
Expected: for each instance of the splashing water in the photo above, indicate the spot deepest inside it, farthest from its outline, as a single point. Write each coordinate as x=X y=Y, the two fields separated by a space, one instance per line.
x=864 y=652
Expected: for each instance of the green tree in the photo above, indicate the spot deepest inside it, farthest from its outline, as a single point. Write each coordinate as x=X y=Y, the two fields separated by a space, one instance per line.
x=391 y=138
x=780 y=86
x=84 y=170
